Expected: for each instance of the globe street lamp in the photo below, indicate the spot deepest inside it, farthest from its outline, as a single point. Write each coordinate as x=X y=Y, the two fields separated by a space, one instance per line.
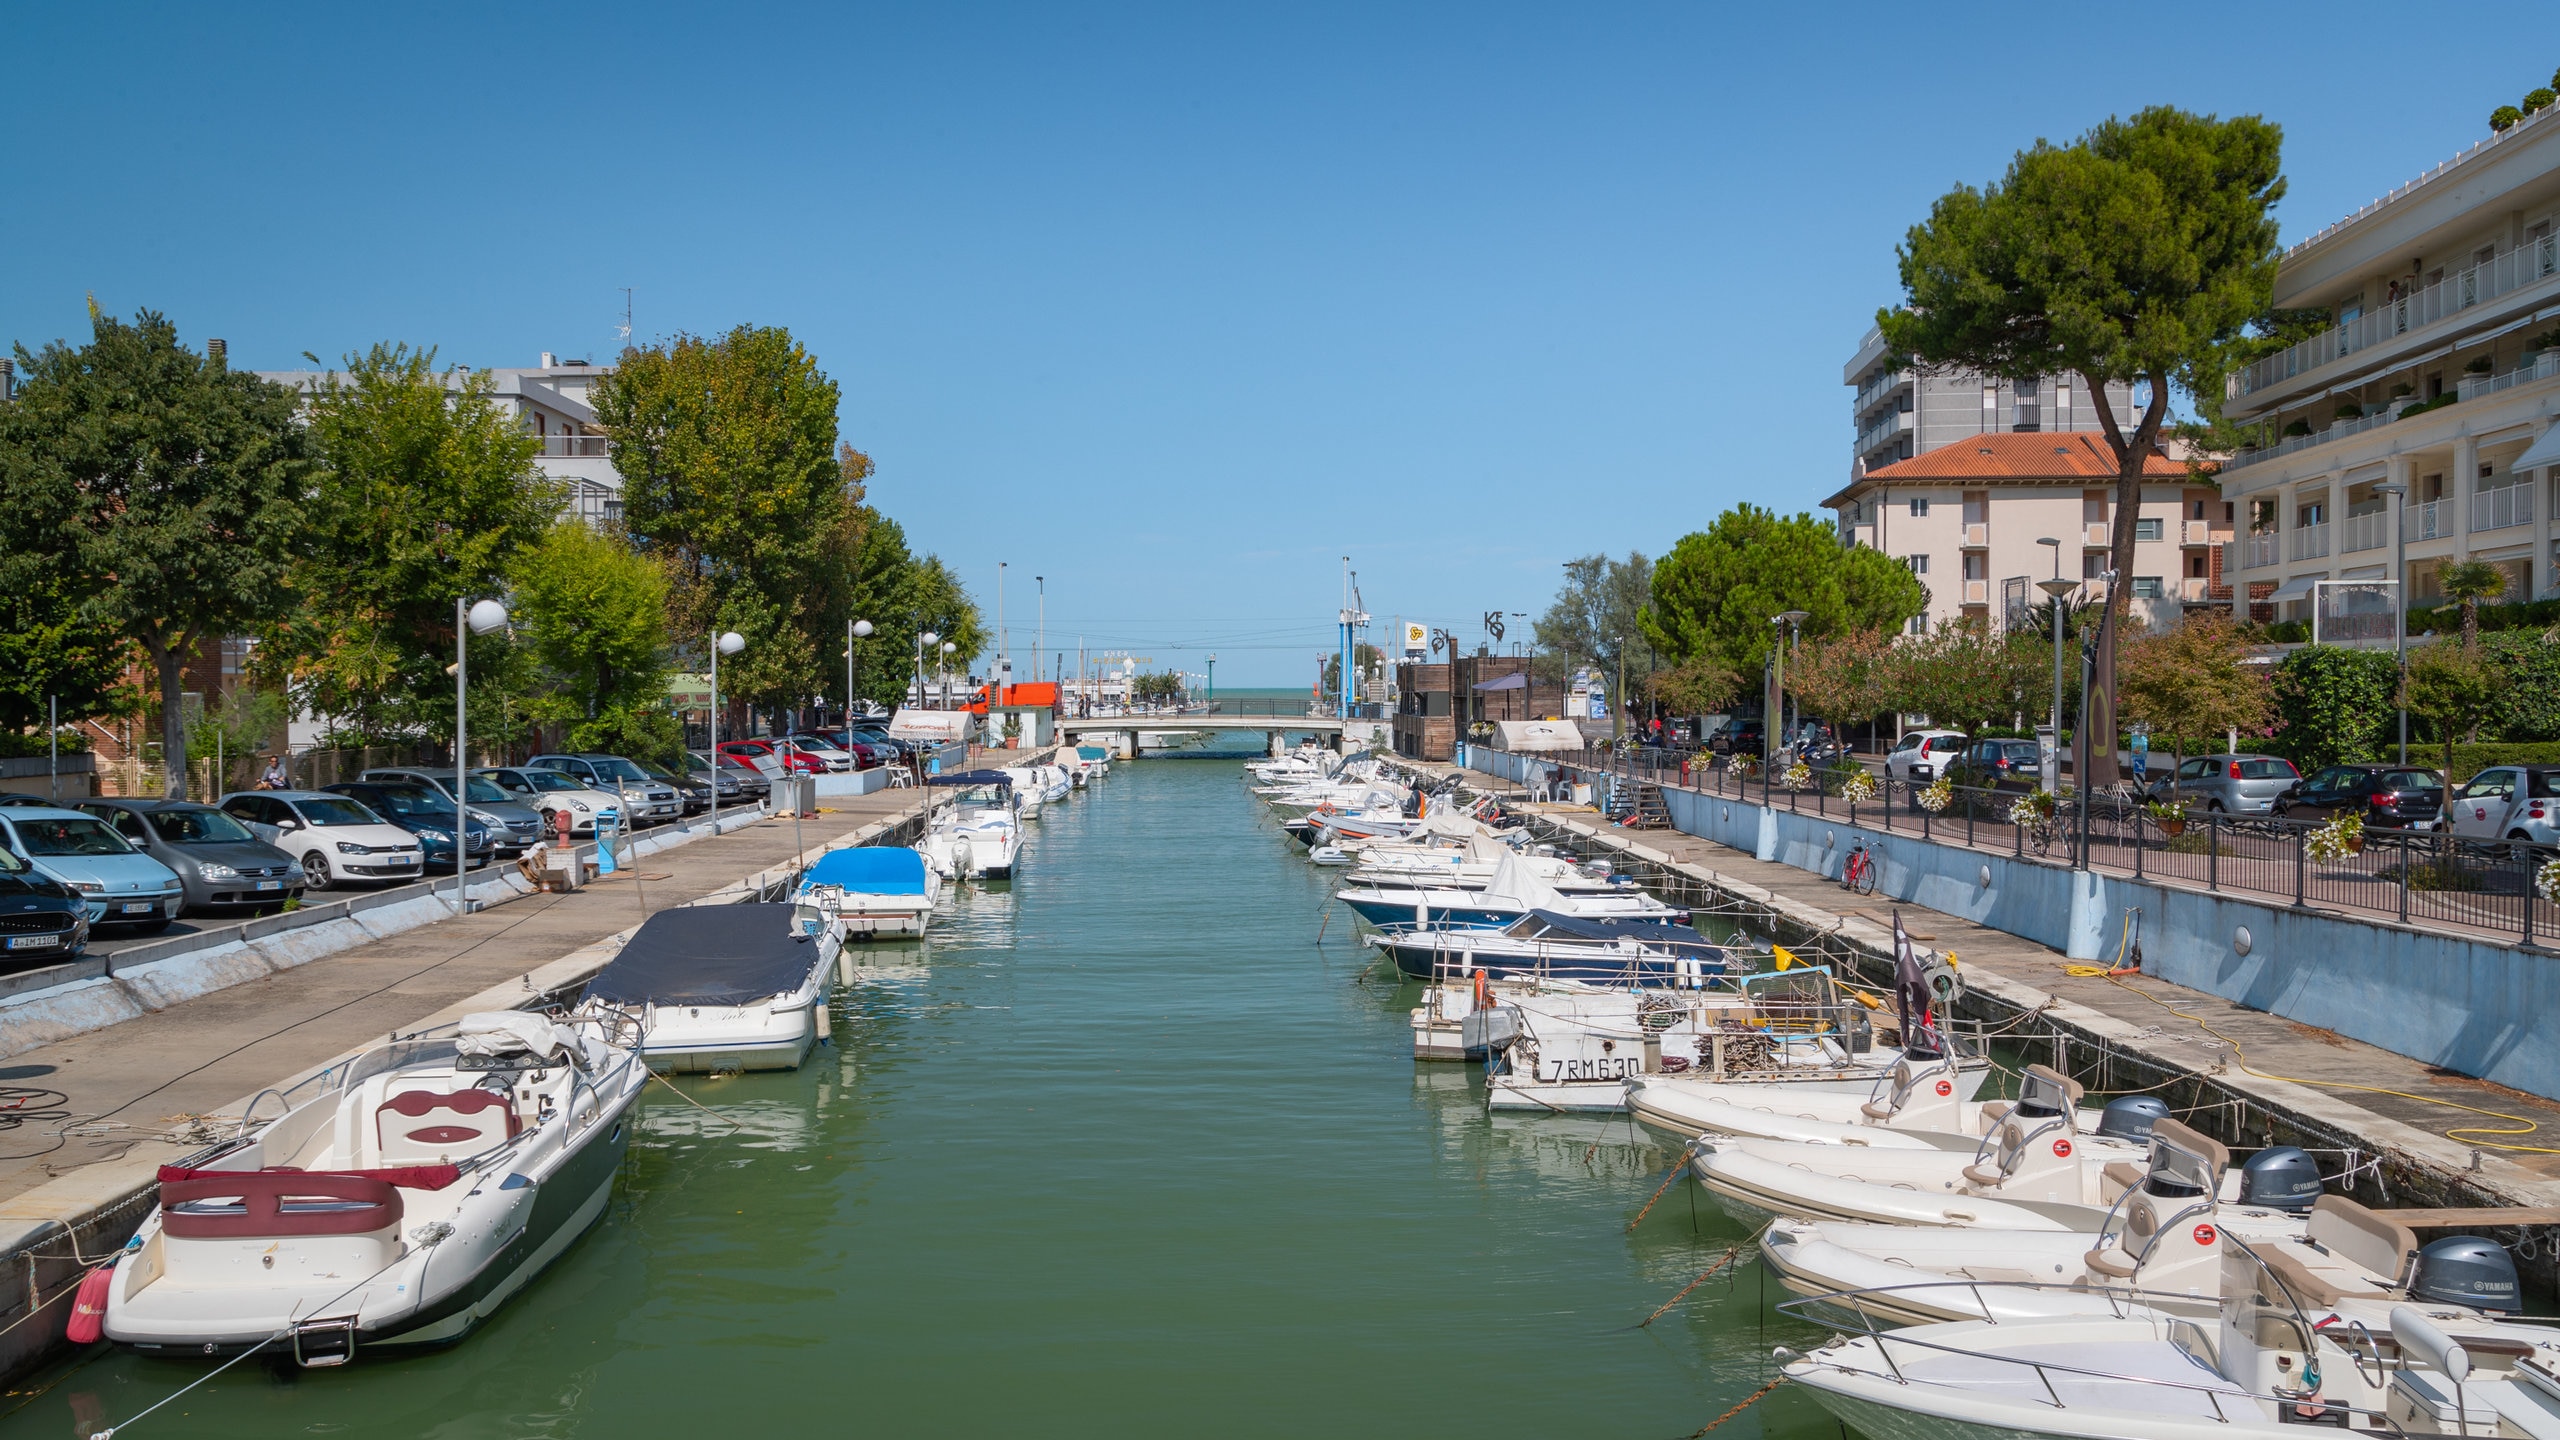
x=942 y=669
x=922 y=640
x=483 y=617
x=853 y=630
x=729 y=643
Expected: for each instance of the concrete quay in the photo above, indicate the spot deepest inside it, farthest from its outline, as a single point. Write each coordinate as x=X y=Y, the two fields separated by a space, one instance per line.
x=79 y=1173
x=2246 y=1076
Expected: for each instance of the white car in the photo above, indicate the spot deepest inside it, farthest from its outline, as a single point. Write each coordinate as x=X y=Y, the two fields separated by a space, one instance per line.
x=336 y=837
x=1924 y=755
x=555 y=795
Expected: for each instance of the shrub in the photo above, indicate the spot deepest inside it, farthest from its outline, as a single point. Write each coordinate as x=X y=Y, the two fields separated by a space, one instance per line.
x=2481 y=366
x=2334 y=705
x=2470 y=760
x=2539 y=99
x=2504 y=118
x=2350 y=412
x=28 y=744
x=2298 y=427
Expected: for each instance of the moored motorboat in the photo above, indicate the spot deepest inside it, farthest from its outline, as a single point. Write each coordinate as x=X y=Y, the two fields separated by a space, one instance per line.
x=718 y=987
x=979 y=837
x=400 y=1199
x=865 y=891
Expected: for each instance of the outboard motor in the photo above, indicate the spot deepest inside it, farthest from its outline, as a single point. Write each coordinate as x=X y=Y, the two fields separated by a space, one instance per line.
x=2467 y=1270
x=2130 y=1117
x=2280 y=1177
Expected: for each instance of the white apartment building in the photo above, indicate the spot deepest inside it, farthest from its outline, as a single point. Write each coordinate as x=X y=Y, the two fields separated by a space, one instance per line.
x=2436 y=387
x=1898 y=412
x=552 y=401
x=1970 y=519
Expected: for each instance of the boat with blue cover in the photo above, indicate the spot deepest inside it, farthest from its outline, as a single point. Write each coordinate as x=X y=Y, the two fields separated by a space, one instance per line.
x=866 y=891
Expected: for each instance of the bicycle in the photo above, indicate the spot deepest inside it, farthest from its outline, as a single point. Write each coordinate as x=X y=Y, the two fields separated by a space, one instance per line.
x=1858 y=872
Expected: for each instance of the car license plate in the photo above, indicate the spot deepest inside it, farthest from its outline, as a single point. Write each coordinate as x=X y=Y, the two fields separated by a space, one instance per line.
x=143 y=908
x=34 y=942
x=270 y=884
x=399 y=860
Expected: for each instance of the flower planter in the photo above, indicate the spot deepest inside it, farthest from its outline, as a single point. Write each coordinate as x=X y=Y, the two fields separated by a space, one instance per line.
x=2173 y=828
x=2355 y=844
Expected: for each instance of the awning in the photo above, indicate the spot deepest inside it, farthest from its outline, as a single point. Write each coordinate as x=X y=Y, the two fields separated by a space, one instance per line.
x=2296 y=588
x=1515 y=681
x=2545 y=451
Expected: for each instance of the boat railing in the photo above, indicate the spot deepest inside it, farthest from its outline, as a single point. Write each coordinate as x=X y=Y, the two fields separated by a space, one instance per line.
x=2125 y=1304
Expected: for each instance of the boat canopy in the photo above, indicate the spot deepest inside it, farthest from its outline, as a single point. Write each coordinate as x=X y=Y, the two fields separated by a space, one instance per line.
x=1093 y=752
x=870 y=870
x=1650 y=932
x=707 y=955
x=973 y=777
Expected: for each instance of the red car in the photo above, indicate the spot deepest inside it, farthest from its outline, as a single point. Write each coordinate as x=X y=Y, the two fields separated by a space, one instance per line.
x=757 y=752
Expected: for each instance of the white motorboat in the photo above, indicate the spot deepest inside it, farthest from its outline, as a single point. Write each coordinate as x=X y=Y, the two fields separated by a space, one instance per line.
x=1631 y=954
x=979 y=837
x=866 y=891
x=719 y=987
x=1512 y=893
x=1916 y=1107
x=400 y=1199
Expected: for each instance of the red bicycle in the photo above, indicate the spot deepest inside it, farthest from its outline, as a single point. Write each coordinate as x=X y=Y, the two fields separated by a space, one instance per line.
x=1858 y=872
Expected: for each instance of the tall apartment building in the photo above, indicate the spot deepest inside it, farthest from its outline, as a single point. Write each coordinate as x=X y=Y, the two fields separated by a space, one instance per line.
x=1900 y=413
x=552 y=401
x=1973 y=521
x=2435 y=388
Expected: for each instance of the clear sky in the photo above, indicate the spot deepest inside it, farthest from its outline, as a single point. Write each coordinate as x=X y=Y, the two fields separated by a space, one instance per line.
x=1175 y=305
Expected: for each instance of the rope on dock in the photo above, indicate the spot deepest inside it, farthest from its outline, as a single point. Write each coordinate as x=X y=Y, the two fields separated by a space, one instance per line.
x=1754 y=1398
x=1666 y=1305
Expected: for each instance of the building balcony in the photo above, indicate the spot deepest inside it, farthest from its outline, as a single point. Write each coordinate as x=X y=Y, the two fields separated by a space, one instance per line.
x=2257 y=549
x=2370 y=530
x=1884 y=431
x=1878 y=388
x=2196 y=590
x=2542 y=366
x=2098 y=535
x=2502 y=507
x=1977 y=592
x=2415 y=319
x=575 y=447
x=2199 y=534
x=1977 y=535
x=2311 y=542
x=2338 y=430
x=2431 y=521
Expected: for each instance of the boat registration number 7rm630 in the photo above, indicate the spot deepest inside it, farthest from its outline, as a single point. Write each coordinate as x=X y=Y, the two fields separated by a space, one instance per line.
x=1597 y=1067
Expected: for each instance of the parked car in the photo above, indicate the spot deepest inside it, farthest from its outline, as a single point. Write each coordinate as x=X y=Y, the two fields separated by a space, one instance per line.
x=220 y=865
x=2510 y=802
x=1738 y=737
x=878 y=735
x=31 y=802
x=427 y=814
x=773 y=761
x=338 y=838
x=694 y=793
x=2229 y=784
x=826 y=752
x=2389 y=797
x=120 y=885
x=868 y=753
x=2001 y=765
x=515 y=825
x=553 y=794
x=42 y=920
x=1923 y=755
x=644 y=801
x=738 y=775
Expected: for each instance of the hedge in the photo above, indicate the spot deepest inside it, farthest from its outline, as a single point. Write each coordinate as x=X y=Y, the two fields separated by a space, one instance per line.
x=25 y=744
x=2470 y=760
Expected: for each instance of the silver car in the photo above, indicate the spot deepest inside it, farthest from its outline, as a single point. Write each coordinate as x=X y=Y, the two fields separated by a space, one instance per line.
x=2508 y=802
x=2230 y=784
x=514 y=825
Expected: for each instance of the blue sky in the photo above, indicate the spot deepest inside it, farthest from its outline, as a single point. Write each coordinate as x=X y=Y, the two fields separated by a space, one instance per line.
x=1175 y=305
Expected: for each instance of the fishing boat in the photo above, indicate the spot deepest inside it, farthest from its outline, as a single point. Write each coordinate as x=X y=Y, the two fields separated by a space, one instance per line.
x=718 y=987
x=866 y=891
x=399 y=1200
x=979 y=837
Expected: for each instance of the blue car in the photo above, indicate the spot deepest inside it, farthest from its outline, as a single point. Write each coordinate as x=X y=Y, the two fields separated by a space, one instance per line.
x=120 y=885
x=427 y=814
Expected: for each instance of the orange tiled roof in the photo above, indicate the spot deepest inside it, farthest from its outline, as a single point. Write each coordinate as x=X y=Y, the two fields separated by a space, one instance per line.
x=2071 y=455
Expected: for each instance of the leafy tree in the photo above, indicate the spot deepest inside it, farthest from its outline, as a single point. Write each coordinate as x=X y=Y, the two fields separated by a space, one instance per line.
x=938 y=601
x=2138 y=253
x=1714 y=594
x=1963 y=674
x=733 y=479
x=430 y=491
x=1369 y=658
x=1597 y=619
x=2193 y=684
x=1699 y=685
x=2528 y=705
x=2333 y=705
x=2466 y=583
x=166 y=490
x=1845 y=678
x=51 y=651
x=593 y=615
x=2452 y=688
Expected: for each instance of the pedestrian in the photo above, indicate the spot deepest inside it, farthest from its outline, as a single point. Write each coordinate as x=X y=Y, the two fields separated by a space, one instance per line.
x=274 y=779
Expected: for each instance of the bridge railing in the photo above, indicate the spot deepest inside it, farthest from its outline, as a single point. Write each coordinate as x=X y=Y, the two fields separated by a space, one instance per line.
x=1275 y=709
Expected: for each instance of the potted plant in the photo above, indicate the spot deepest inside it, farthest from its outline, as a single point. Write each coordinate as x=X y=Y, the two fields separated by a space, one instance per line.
x=1940 y=794
x=2335 y=841
x=2033 y=808
x=2546 y=881
x=2172 y=819
x=1859 y=787
x=1797 y=776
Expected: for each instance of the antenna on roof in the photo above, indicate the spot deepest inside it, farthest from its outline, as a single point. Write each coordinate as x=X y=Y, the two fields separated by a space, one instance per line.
x=626 y=317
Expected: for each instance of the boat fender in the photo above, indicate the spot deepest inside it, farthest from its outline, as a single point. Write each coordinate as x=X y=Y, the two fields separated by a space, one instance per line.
x=89 y=1307
x=1484 y=992
x=826 y=1018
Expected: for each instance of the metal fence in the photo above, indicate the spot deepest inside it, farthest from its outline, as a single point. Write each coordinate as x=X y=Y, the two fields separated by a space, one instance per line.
x=2411 y=875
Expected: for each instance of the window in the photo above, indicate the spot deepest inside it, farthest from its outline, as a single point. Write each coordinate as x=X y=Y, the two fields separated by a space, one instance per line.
x=2199 y=510
x=2148 y=529
x=2492 y=785
x=1919 y=509
x=1919 y=563
x=2146 y=587
x=2093 y=564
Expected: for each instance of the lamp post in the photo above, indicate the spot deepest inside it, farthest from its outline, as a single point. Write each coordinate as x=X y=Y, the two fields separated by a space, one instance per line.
x=1790 y=619
x=1040 y=635
x=1213 y=684
x=484 y=617
x=2399 y=601
x=2057 y=587
x=923 y=639
x=853 y=630
x=942 y=669
x=729 y=643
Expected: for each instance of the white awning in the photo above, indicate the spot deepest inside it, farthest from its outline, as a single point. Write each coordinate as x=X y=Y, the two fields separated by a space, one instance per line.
x=2295 y=588
x=2545 y=451
x=940 y=726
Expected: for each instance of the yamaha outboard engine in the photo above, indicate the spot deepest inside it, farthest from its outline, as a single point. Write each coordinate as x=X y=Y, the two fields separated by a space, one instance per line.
x=2280 y=1177
x=2130 y=1117
x=2467 y=1270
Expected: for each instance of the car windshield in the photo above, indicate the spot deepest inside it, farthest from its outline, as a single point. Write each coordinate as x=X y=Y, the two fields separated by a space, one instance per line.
x=2412 y=780
x=550 y=781
x=485 y=791
x=70 y=837
x=335 y=810
x=614 y=767
x=192 y=826
x=416 y=802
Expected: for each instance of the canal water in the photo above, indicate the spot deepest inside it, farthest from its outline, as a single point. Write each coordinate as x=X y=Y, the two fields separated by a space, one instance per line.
x=1123 y=1150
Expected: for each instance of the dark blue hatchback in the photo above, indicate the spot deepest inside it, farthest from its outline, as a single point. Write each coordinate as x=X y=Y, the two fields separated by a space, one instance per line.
x=424 y=813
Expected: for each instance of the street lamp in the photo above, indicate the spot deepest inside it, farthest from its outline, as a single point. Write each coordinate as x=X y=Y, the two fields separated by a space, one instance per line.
x=853 y=630
x=482 y=618
x=927 y=638
x=1791 y=619
x=2399 y=601
x=1213 y=684
x=729 y=643
x=2057 y=587
x=943 y=669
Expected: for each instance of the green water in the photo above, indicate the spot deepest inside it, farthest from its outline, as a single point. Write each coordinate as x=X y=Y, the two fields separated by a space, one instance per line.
x=1121 y=1152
